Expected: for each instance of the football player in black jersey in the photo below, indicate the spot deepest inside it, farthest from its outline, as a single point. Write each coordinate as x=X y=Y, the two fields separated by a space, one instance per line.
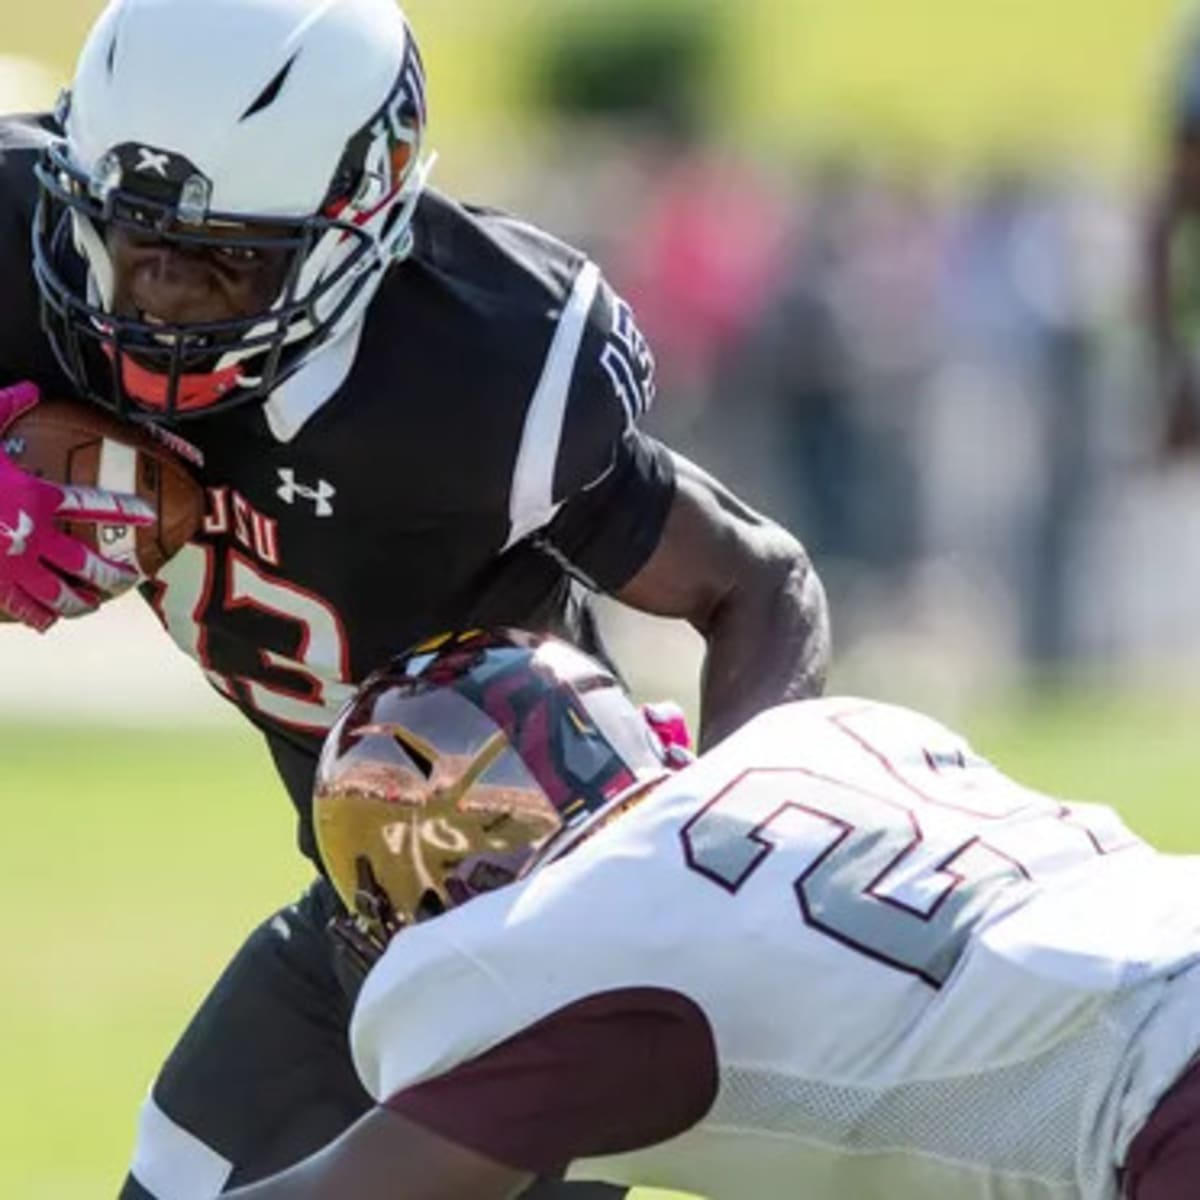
x=408 y=414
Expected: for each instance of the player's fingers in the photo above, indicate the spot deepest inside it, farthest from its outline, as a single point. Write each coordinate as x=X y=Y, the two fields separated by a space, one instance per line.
x=42 y=582
x=21 y=606
x=15 y=401
x=68 y=602
x=73 y=557
x=53 y=592
x=105 y=508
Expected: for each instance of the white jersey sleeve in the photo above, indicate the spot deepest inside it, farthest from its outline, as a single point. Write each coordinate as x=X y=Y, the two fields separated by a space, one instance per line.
x=920 y=976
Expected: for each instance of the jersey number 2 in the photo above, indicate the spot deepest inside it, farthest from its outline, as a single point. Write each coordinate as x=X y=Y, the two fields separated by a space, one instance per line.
x=882 y=874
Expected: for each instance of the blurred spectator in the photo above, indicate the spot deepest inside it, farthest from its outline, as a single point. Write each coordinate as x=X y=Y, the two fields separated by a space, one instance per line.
x=840 y=363
x=699 y=258
x=1022 y=307
x=917 y=373
x=1172 y=256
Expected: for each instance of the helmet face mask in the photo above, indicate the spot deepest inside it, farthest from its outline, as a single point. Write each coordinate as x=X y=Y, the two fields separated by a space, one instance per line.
x=201 y=367
x=106 y=176
x=461 y=769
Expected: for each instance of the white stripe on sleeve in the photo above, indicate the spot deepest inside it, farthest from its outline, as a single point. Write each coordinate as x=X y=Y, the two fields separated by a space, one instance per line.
x=173 y=1164
x=531 y=499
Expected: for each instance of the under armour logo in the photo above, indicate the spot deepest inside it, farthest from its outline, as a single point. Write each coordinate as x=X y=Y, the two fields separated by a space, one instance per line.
x=321 y=495
x=152 y=161
x=18 y=539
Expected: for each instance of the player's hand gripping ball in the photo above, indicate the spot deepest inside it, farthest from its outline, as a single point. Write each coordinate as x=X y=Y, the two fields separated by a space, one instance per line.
x=88 y=506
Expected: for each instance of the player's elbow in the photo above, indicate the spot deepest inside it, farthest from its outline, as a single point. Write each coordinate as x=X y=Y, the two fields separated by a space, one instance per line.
x=773 y=584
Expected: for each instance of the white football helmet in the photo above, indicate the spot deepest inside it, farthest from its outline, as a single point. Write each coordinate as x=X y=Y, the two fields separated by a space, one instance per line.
x=297 y=121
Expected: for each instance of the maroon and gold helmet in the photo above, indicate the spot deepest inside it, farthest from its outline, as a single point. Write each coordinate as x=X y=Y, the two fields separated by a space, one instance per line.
x=457 y=766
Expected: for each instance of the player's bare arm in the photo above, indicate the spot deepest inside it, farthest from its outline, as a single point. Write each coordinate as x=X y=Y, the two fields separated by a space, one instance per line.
x=748 y=587
x=387 y=1157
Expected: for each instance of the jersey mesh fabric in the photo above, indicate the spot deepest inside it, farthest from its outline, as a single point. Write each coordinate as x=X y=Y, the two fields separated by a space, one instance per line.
x=1032 y=1126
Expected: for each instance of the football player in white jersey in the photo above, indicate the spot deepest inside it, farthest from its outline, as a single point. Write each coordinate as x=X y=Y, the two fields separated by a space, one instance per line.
x=838 y=957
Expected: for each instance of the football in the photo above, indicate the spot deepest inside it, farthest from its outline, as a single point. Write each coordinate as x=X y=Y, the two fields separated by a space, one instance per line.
x=71 y=442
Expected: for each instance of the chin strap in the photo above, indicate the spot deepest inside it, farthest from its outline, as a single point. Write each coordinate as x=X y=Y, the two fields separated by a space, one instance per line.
x=360 y=937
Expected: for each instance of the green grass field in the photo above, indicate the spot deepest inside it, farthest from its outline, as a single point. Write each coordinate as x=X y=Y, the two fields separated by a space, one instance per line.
x=133 y=863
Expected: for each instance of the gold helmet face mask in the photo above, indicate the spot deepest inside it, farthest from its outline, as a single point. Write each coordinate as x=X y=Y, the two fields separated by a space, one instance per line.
x=421 y=803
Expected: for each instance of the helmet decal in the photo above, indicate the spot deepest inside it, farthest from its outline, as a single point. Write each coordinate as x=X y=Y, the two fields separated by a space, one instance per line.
x=270 y=93
x=548 y=726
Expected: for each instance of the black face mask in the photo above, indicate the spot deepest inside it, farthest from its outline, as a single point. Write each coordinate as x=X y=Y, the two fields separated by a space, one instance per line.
x=360 y=938
x=172 y=371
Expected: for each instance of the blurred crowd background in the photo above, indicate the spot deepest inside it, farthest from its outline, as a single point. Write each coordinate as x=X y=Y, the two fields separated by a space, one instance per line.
x=915 y=334
x=889 y=258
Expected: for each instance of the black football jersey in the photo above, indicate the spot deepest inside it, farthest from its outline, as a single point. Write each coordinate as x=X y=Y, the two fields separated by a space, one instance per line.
x=469 y=456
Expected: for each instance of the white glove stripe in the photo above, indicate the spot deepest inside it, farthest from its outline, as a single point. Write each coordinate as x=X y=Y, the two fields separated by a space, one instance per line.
x=98 y=505
x=112 y=578
x=68 y=603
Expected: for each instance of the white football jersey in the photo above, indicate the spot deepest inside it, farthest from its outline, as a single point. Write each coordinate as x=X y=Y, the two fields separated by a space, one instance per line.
x=923 y=979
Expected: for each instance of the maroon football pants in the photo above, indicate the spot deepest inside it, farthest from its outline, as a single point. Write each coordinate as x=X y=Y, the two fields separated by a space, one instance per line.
x=1164 y=1158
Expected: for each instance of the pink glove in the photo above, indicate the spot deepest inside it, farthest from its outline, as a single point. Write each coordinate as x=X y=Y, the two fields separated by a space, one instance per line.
x=669 y=723
x=44 y=573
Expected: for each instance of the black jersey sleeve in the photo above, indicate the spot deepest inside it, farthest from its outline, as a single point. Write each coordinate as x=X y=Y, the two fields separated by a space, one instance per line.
x=613 y=484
